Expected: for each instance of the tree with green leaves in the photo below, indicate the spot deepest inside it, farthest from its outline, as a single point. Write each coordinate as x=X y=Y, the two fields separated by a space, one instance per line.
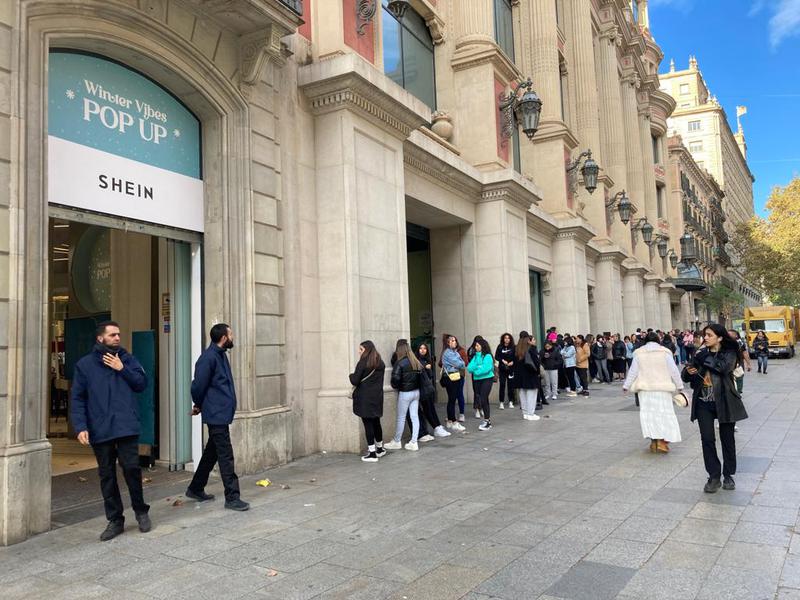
x=769 y=249
x=724 y=301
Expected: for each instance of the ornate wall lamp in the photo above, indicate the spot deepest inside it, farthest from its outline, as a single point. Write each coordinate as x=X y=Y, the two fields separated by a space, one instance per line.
x=661 y=245
x=673 y=258
x=623 y=205
x=589 y=170
x=366 y=9
x=521 y=111
x=688 y=248
x=646 y=228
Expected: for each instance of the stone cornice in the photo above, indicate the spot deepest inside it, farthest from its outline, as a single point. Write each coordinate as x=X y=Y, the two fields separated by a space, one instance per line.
x=609 y=253
x=474 y=51
x=255 y=50
x=634 y=267
x=429 y=158
x=248 y=16
x=574 y=228
x=510 y=186
x=550 y=130
x=349 y=82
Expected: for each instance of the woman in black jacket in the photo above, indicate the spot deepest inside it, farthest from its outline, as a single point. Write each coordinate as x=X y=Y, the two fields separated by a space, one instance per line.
x=405 y=379
x=427 y=393
x=618 y=351
x=367 y=381
x=526 y=375
x=761 y=349
x=715 y=397
x=504 y=355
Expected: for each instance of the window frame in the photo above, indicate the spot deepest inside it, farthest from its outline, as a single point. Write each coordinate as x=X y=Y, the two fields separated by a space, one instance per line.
x=506 y=4
x=696 y=125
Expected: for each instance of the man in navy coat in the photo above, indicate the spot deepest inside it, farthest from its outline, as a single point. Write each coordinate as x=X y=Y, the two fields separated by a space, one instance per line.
x=105 y=413
x=214 y=397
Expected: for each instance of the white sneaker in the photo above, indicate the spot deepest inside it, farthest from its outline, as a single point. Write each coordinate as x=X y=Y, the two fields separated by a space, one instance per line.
x=531 y=417
x=461 y=418
x=393 y=445
x=441 y=432
x=503 y=406
x=485 y=426
x=478 y=414
x=510 y=405
x=413 y=446
x=425 y=438
x=459 y=427
x=736 y=428
x=572 y=393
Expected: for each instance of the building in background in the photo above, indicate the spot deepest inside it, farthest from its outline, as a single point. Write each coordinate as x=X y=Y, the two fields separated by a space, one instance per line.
x=314 y=173
x=703 y=125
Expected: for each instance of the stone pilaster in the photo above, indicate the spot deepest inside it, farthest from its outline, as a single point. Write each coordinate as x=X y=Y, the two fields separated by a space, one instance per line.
x=649 y=176
x=633 y=297
x=652 y=309
x=608 y=292
x=665 y=303
x=568 y=281
x=633 y=159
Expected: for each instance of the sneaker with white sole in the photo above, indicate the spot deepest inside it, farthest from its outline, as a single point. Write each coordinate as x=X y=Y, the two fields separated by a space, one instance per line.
x=459 y=427
x=531 y=417
x=485 y=426
x=370 y=457
x=380 y=452
x=413 y=446
x=510 y=405
x=393 y=445
x=502 y=406
x=441 y=432
x=572 y=394
x=478 y=414
x=461 y=418
x=426 y=438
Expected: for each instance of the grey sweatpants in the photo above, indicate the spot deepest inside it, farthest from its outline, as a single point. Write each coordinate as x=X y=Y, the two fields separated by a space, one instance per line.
x=407 y=402
x=551 y=384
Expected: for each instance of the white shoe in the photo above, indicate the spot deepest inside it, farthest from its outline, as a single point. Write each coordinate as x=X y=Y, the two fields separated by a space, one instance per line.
x=425 y=438
x=461 y=418
x=531 y=417
x=736 y=428
x=502 y=406
x=478 y=414
x=485 y=426
x=441 y=432
x=510 y=405
x=459 y=427
x=572 y=393
x=413 y=446
x=393 y=445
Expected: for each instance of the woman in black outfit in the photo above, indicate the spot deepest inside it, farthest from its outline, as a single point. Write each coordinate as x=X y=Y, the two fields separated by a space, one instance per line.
x=367 y=381
x=504 y=355
x=427 y=393
x=618 y=351
x=716 y=397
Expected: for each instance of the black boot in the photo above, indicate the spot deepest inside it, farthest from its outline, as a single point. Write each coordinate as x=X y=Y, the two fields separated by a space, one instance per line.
x=712 y=485
x=113 y=529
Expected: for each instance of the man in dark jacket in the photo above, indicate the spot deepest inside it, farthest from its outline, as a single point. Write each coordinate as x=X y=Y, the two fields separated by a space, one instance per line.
x=214 y=397
x=105 y=413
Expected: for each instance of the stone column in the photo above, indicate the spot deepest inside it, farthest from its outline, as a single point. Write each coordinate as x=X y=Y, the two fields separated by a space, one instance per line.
x=587 y=121
x=568 y=282
x=652 y=310
x=650 y=198
x=608 y=292
x=633 y=299
x=612 y=124
x=633 y=159
x=666 y=306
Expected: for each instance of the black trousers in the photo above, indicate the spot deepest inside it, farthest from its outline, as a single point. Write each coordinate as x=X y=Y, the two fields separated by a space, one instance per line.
x=505 y=387
x=583 y=375
x=452 y=388
x=218 y=450
x=483 y=387
x=427 y=404
x=706 y=414
x=570 y=378
x=126 y=450
x=373 y=430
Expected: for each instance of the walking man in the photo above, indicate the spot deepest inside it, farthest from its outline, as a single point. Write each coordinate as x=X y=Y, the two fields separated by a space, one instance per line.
x=105 y=413
x=214 y=397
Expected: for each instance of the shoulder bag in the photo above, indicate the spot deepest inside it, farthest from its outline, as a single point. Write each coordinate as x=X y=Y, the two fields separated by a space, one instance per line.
x=355 y=387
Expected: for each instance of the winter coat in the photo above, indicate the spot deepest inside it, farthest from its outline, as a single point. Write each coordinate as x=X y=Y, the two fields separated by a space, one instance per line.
x=104 y=401
x=452 y=361
x=212 y=387
x=551 y=359
x=761 y=347
x=569 y=356
x=526 y=377
x=609 y=350
x=481 y=366
x=404 y=378
x=368 y=392
x=505 y=353
x=582 y=356
x=719 y=366
x=619 y=350
x=426 y=381
x=598 y=351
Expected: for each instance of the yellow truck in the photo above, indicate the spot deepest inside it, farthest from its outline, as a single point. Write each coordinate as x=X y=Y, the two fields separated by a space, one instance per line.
x=779 y=323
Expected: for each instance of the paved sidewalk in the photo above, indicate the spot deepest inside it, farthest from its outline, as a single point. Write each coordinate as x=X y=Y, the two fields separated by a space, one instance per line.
x=572 y=506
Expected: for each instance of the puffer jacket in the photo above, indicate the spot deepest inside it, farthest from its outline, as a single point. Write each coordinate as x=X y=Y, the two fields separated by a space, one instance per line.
x=598 y=351
x=551 y=359
x=404 y=378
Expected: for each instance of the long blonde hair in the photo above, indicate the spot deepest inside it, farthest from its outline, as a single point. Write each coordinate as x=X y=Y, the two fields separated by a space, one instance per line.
x=403 y=350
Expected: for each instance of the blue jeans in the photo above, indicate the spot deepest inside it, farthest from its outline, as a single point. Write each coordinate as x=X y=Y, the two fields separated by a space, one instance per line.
x=407 y=404
x=762 y=362
x=460 y=396
x=682 y=354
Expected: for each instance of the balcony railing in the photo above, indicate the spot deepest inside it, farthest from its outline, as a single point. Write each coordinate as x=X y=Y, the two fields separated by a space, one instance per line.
x=294 y=5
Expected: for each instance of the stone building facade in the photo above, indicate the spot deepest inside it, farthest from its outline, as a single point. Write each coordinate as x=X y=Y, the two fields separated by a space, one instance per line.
x=358 y=181
x=703 y=125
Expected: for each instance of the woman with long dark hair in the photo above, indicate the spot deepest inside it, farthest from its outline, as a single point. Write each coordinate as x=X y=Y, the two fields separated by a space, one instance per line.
x=570 y=360
x=618 y=351
x=406 y=379
x=367 y=381
x=715 y=397
x=761 y=348
x=482 y=369
x=475 y=402
x=452 y=366
x=504 y=355
x=427 y=392
x=526 y=375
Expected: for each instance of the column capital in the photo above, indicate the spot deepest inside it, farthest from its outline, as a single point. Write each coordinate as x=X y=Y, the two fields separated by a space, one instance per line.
x=611 y=33
x=631 y=78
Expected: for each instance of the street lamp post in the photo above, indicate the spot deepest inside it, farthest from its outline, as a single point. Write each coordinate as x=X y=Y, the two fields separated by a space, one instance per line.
x=646 y=228
x=624 y=207
x=521 y=111
x=590 y=170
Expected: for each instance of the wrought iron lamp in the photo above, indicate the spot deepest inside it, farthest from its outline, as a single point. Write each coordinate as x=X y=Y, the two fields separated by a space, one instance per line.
x=624 y=207
x=688 y=248
x=661 y=245
x=646 y=228
x=673 y=258
x=521 y=111
x=590 y=170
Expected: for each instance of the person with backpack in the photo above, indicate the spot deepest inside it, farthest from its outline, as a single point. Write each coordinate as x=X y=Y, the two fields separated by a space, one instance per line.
x=551 y=361
x=482 y=369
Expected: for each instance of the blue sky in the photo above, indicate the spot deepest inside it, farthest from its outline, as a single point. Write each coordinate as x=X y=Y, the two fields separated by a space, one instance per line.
x=749 y=54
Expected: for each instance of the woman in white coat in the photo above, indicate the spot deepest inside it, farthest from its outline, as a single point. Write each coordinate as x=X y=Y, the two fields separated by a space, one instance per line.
x=654 y=376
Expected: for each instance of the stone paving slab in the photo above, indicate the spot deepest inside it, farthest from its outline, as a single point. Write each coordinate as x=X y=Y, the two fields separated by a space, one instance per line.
x=572 y=507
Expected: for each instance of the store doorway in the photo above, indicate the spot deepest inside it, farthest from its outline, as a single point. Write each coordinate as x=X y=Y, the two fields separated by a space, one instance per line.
x=420 y=292
x=150 y=285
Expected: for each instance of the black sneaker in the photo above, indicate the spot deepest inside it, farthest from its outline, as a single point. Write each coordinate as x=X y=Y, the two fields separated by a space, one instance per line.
x=144 y=522
x=728 y=483
x=370 y=457
x=545 y=402
x=538 y=406
x=237 y=504
x=712 y=485
x=113 y=529
x=199 y=496
x=380 y=452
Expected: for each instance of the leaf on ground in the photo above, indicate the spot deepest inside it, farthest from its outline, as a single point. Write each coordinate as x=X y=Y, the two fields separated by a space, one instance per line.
x=272 y=573
x=82 y=479
x=178 y=502
x=147 y=480
x=263 y=482
x=285 y=486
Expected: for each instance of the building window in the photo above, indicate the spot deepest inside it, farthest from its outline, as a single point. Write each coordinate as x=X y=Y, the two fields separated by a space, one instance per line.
x=504 y=27
x=516 y=150
x=563 y=88
x=684 y=89
x=408 y=54
x=660 y=204
x=696 y=146
x=694 y=125
x=656 y=150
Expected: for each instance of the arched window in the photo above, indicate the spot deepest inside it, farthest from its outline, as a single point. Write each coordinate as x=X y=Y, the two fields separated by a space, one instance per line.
x=408 y=54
